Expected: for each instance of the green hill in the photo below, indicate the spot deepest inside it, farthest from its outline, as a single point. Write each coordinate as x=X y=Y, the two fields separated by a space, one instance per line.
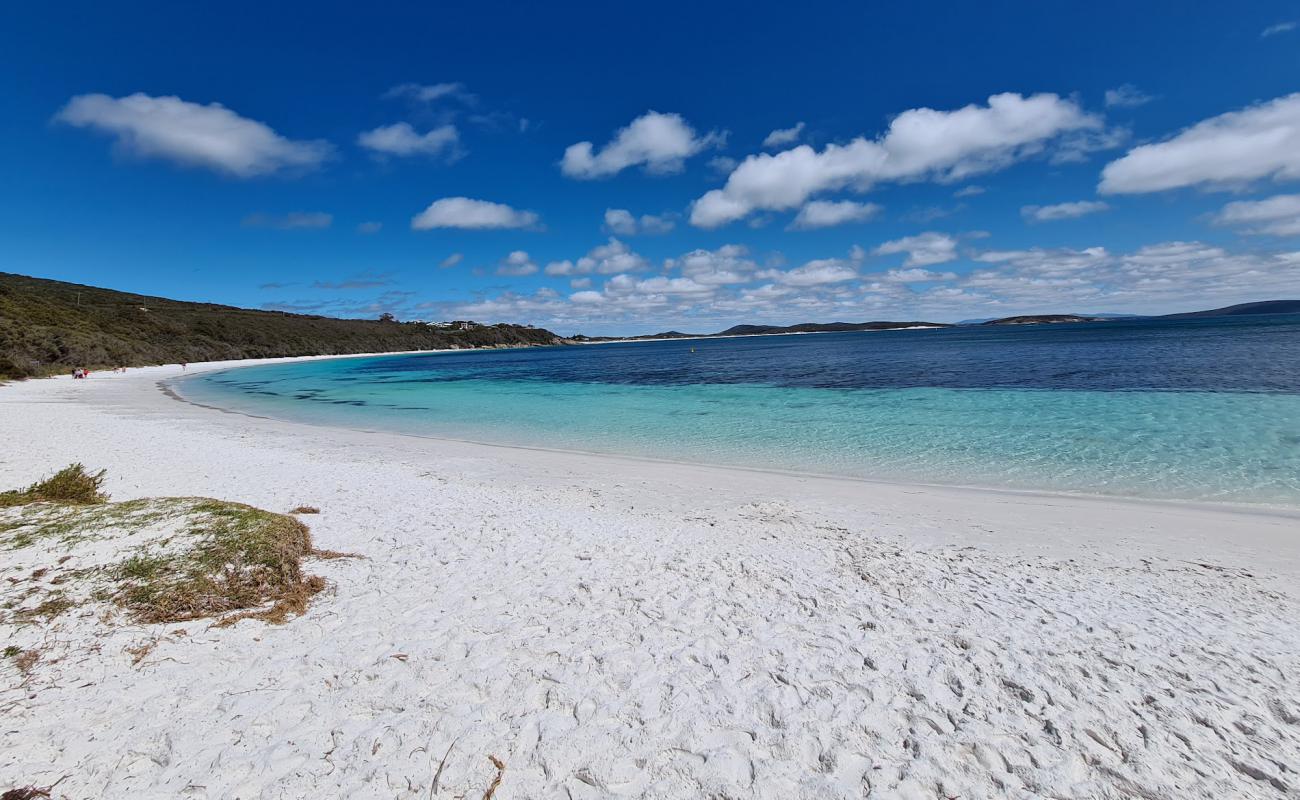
x=48 y=327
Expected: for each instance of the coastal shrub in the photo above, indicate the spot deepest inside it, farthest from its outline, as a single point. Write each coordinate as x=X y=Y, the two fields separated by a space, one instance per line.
x=305 y=510
x=161 y=560
x=239 y=558
x=72 y=485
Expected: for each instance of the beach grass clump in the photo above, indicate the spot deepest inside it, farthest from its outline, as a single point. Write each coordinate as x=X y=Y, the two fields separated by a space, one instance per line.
x=72 y=485
x=162 y=560
x=230 y=558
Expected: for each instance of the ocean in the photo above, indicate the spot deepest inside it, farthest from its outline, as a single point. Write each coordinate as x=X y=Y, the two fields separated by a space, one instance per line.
x=1202 y=409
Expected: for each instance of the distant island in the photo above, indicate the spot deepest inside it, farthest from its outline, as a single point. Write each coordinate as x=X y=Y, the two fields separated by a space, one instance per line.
x=1242 y=309
x=1043 y=319
x=48 y=327
x=773 y=330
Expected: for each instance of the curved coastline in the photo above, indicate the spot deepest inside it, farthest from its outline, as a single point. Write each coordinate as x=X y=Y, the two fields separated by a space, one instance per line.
x=628 y=608
x=172 y=388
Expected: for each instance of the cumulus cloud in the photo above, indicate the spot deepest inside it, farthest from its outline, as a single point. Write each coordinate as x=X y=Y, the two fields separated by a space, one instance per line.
x=622 y=222
x=451 y=261
x=210 y=136
x=817 y=272
x=1278 y=215
x=1231 y=150
x=471 y=214
x=726 y=265
x=1159 y=277
x=708 y=290
x=1062 y=210
x=783 y=136
x=921 y=143
x=1281 y=27
x=918 y=275
x=403 y=140
x=516 y=264
x=1126 y=96
x=659 y=143
x=923 y=249
x=828 y=213
x=294 y=220
x=607 y=259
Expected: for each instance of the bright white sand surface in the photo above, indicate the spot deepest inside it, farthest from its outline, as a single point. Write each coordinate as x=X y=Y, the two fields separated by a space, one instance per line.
x=613 y=627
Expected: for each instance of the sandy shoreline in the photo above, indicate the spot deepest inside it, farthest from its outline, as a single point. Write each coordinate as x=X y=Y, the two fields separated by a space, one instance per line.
x=622 y=627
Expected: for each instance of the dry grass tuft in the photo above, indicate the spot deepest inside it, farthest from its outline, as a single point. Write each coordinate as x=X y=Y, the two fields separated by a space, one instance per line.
x=242 y=559
x=25 y=660
x=305 y=510
x=330 y=555
x=141 y=651
x=71 y=485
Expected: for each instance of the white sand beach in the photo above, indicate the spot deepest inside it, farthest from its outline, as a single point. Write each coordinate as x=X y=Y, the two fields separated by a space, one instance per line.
x=616 y=627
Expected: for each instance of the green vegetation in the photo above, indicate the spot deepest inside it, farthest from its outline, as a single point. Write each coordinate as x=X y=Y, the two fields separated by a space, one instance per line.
x=48 y=327
x=71 y=485
x=179 y=558
x=237 y=557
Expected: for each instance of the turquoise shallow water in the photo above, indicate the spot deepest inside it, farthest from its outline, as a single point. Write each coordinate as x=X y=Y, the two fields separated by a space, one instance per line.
x=1235 y=446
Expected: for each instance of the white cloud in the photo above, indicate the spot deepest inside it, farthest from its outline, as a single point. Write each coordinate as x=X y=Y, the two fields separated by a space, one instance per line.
x=921 y=143
x=370 y=227
x=516 y=264
x=1278 y=215
x=1161 y=277
x=659 y=143
x=1281 y=27
x=427 y=93
x=587 y=297
x=607 y=259
x=827 y=213
x=620 y=221
x=1227 y=151
x=783 y=136
x=969 y=191
x=1061 y=211
x=923 y=249
x=918 y=275
x=818 y=272
x=1126 y=96
x=403 y=140
x=191 y=134
x=726 y=265
x=451 y=261
x=470 y=214
x=294 y=220
x=1169 y=276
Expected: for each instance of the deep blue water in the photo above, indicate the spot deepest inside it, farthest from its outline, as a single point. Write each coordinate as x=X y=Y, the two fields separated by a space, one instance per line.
x=1192 y=409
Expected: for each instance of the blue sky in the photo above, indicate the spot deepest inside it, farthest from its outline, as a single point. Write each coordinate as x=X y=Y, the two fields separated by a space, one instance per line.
x=754 y=162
